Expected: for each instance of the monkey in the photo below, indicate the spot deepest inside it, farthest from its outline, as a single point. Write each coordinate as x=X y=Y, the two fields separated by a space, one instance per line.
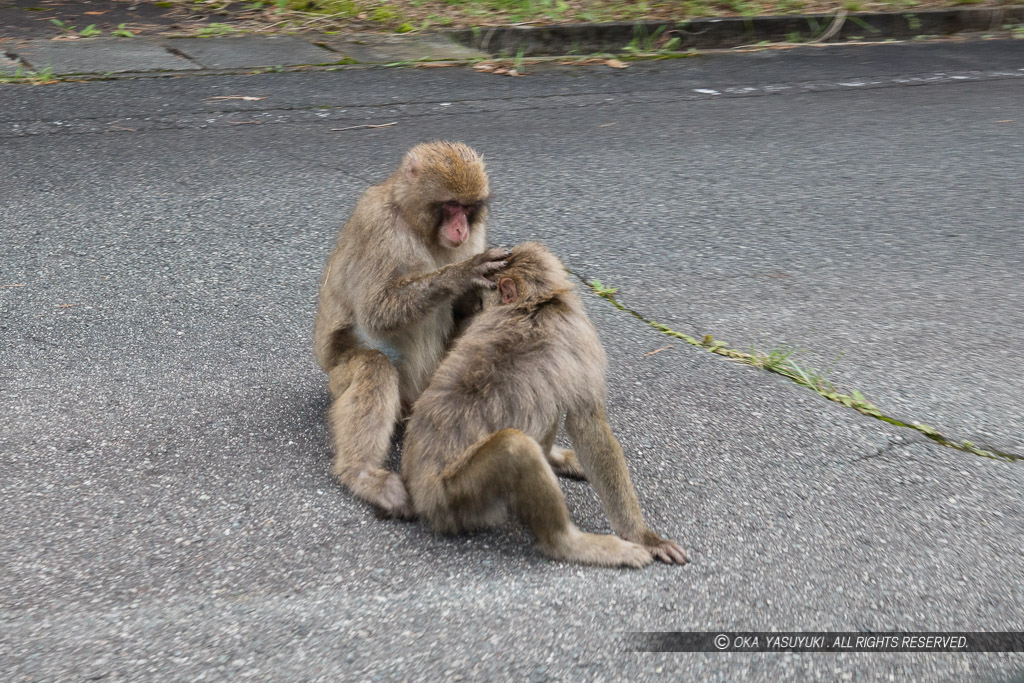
x=410 y=257
x=478 y=439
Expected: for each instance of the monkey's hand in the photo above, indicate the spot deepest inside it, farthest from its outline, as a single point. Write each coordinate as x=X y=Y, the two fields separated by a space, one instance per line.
x=482 y=265
x=662 y=549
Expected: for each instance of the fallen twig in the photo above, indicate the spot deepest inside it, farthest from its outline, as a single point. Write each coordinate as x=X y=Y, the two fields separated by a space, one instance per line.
x=837 y=23
x=368 y=125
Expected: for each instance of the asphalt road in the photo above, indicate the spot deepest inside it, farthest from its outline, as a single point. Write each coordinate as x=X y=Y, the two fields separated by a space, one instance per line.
x=167 y=508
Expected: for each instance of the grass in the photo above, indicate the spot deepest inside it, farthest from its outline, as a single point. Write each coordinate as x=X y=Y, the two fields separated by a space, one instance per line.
x=781 y=362
x=214 y=30
x=403 y=16
x=32 y=77
x=122 y=32
x=645 y=43
x=518 y=64
x=90 y=31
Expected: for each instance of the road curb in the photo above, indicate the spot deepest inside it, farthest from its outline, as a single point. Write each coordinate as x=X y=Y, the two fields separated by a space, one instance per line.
x=585 y=39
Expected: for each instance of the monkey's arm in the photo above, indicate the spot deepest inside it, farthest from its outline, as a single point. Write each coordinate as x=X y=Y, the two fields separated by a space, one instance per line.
x=404 y=299
x=605 y=465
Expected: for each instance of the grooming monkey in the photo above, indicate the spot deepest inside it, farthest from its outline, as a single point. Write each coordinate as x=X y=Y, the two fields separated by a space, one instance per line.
x=478 y=440
x=411 y=253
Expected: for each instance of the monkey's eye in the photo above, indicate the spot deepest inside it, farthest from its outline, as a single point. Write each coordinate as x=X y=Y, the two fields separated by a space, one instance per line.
x=452 y=204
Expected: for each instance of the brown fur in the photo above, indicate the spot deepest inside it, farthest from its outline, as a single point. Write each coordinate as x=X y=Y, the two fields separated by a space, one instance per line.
x=385 y=314
x=477 y=440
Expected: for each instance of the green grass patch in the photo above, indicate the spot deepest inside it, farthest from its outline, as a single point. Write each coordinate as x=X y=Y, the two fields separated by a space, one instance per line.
x=43 y=76
x=215 y=30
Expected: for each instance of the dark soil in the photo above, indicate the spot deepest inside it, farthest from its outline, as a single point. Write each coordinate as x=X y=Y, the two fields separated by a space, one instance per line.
x=32 y=18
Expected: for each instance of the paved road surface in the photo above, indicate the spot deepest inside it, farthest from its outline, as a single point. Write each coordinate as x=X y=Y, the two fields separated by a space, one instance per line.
x=167 y=507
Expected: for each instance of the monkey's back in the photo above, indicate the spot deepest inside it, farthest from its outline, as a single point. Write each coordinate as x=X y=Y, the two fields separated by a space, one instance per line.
x=511 y=369
x=347 y=267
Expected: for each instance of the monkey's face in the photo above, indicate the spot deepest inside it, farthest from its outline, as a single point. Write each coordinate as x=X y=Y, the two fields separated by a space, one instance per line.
x=456 y=219
x=444 y=189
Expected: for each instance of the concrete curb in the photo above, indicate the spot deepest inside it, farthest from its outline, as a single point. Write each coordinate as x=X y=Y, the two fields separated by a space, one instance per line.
x=122 y=57
x=585 y=39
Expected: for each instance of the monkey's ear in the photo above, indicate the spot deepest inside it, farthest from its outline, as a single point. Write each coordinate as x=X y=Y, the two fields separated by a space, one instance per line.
x=413 y=166
x=509 y=293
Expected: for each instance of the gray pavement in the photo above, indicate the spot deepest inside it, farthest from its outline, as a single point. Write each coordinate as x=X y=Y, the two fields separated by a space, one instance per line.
x=247 y=51
x=168 y=510
x=168 y=55
x=99 y=55
x=9 y=67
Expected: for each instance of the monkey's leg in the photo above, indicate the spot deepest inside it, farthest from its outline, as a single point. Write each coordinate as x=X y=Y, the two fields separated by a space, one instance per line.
x=562 y=460
x=363 y=416
x=606 y=469
x=510 y=467
x=333 y=336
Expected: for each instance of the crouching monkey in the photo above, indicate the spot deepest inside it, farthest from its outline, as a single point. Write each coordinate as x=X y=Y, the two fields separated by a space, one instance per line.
x=480 y=437
x=410 y=258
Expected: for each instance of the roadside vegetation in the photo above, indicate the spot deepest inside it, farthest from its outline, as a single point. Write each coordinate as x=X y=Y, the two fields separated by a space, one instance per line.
x=30 y=76
x=404 y=16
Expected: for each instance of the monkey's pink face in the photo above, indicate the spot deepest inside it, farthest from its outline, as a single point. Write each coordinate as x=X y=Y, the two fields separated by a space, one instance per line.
x=456 y=219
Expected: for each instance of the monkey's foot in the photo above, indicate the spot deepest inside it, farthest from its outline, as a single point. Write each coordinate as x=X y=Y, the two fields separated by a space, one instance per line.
x=563 y=461
x=385 y=490
x=603 y=550
x=663 y=549
x=669 y=553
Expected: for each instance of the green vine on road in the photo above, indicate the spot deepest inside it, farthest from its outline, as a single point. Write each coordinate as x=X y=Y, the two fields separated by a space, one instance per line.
x=780 y=362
